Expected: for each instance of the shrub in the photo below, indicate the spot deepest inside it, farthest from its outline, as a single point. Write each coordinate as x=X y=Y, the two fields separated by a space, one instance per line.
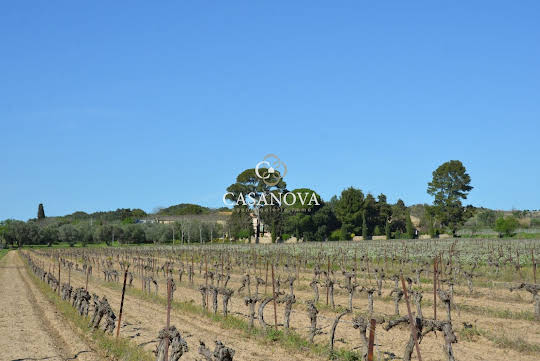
x=336 y=235
x=243 y=234
x=506 y=226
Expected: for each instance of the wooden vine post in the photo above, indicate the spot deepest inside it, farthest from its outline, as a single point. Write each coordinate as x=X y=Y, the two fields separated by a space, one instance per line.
x=367 y=267
x=206 y=278
x=298 y=268
x=533 y=265
x=274 y=296
x=142 y=277
x=327 y=289
x=266 y=278
x=371 y=339
x=255 y=263
x=168 y=317
x=435 y=288
x=121 y=302
x=59 y=283
x=411 y=319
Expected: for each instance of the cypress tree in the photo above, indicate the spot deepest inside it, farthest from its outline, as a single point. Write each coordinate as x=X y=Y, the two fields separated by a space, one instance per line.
x=41 y=211
x=364 y=227
x=410 y=227
x=387 y=231
x=431 y=229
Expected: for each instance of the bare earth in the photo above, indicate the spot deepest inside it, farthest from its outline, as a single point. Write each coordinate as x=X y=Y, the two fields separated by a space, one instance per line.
x=30 y=326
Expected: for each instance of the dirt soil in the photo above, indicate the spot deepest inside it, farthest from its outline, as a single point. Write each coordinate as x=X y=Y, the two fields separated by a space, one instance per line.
x=30 y=326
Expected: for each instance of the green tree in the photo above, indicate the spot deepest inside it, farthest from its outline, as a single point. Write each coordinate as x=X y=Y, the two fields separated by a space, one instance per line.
x=8 y=232
x=450 y=184
x=40 y=212
x=239 y=225
x=506 y=226
x=135 y=234
x=324 y=221
x=308 y=217
x=86 y=234
x=49 y=234
x=384 y=209
x=349 y=210
x=69 y=234
x=3 y=230
x=248 y=183
x=399 y=217
x=387 y=230
x=138 y=213
x=22 y=233
x=152 y=232
x=104 y=234
x=371 y=213
x=487 y=218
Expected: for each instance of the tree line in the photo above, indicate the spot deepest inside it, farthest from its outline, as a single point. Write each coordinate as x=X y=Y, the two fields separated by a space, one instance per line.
x=352 y=213
x=34 y=232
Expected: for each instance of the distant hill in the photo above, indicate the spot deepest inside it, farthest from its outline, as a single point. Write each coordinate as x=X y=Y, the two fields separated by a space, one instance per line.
x=184 y=209
x=130 y=215
x=120 y=214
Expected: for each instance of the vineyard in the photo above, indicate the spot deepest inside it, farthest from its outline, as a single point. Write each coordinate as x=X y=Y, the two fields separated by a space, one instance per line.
x=466 y=299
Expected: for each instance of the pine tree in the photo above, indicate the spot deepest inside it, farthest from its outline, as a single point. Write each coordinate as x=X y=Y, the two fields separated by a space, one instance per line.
x=41 y=211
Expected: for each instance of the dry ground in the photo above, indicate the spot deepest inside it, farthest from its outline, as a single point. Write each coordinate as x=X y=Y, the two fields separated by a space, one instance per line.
x=30 y=326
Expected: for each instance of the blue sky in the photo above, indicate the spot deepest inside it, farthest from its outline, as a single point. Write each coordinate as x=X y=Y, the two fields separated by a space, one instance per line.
x=137 y=104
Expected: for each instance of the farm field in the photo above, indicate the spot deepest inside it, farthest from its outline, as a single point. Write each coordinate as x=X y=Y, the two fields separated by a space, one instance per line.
x=473 y=280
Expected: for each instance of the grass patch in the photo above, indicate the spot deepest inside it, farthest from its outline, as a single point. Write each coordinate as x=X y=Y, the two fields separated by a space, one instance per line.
x=3 y=252
x=491 y=312
x=483 y=311
x=470 y=334
x=515 y=343
x=117 y=349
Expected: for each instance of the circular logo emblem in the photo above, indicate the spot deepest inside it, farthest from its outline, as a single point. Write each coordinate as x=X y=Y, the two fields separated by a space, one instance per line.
x=271 y=170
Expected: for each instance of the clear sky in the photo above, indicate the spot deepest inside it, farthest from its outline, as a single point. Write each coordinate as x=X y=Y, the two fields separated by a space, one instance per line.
x=117 y=104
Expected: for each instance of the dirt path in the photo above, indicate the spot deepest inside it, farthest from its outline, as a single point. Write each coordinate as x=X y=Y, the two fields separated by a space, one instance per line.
x=30 y=326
